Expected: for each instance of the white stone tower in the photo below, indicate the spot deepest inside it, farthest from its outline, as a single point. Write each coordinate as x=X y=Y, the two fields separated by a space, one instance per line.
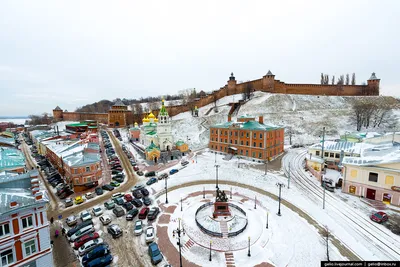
x=164 y=131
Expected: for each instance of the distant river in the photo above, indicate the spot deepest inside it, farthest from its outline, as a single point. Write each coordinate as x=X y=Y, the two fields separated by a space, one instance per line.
x=15 y=120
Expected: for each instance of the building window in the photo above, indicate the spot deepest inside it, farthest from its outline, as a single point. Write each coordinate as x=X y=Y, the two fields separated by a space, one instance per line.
x=212 y=139
x=4 y=229
x=87 y=169
x=331 y=155
x=337 y=155
x=255 y=135
x=254 y=154
x=88 y=179
x=7 y=257
x=247 y=135
x=236 y=134
x=212 y=131
x=254 y=144
x=30 y=247
x=317 y=153
x=326 y=154
x=212 y=146
x=373 y=177
x=247 y=143
x=27 y=222
x=241 y=151
x=226 y=140
x=260 y=135
x=231 y=141
x=260 y=155
x=235 y=142
x=260 y=144
x=76 y=180
x=226 y=133
x=75 y=171
x=247 y=152
x=241 y=134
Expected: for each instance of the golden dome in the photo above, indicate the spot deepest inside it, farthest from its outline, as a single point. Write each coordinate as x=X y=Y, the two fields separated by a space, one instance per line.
x=151 y=115
x=155 y=120
x=146 y=119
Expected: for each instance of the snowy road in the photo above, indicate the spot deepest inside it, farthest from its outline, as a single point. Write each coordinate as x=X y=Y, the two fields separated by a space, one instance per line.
x=382 y=244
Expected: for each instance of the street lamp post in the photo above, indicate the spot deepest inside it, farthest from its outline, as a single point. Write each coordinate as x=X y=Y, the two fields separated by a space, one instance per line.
x=216 y=168
x=231 y=192
x=166 y=191
x=255 y=202
x=266 y=161
x=280 y=188
x=238 y=161
x=267 y=220
x=181 y=204
x=210 y=251
x=248 y=253
x=178 y=231
x=215 y=161
x=204 y=192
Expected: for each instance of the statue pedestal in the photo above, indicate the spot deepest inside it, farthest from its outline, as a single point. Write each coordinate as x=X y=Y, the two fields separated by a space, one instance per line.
x=221 y=209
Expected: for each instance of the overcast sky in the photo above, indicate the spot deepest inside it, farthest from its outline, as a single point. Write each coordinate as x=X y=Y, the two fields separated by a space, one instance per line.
x=71 y=53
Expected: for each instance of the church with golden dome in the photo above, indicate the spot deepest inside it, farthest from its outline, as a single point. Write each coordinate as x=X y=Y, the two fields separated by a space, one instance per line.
x=156 y=136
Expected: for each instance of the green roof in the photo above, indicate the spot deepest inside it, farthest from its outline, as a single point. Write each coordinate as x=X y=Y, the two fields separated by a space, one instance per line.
x=92 y=127
x=179 y=143
x=151 y=133
x=76 y=124
x=255 y=125
x=223 y=125
x=152 y=147
x=163 y=110
x=11 y=158
x=134 y=129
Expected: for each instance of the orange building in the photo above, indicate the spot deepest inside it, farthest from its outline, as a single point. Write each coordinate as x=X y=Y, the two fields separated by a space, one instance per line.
x=247 y=138
x=117 y=115
x=24 y=228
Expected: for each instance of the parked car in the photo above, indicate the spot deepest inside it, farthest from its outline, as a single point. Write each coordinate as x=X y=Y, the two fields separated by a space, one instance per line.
x=114 y=183
x=152 y=215
x=184 y=162
x=85 y=215
x=151 y=181
x=137 y=194
x=119 y=201
x=118 y=211
x=150 y=234
x=83 y=239
x=114 y=230
x=97 y=252
x=108 y=187
x=144 y=192
x=155 y=254
x=379 y=217
x=138 y=230
x=81 y=232
x=150 y=174
x=117 y=195
x=71 y=220
x=118 y=179
x=109 y=205
x=137 y=203
x=97 y=211
x=173 y=171
x=143 y=213
x=88 y=246
x=101 y=261
x=68 y=202
x=105 y=219
x=116 y=172
x=163 y=176
x=138 y=186
x=78 y=200
x=131 y=214
x=89 y=195
x=128 y=205
x=147 y=201
x=98 y=191
x=78 y=227
x=140 y=173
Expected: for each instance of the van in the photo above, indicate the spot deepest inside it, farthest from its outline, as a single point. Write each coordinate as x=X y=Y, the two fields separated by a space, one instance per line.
x=83 y=231
x=117 y=195
x=78 y=227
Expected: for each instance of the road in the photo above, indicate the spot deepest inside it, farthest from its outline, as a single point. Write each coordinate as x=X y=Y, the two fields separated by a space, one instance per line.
x=378 y=239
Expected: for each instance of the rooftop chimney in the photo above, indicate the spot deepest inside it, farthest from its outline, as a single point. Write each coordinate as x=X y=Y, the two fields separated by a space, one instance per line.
x=261 y=119
x=14 y=204
x=229 y=118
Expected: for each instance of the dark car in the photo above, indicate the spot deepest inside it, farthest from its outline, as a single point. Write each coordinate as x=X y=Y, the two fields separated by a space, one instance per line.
x=119 y=201
x=152 y=215
x=116 y=167
x=114 y=230
x=118 y=211
x=137 y=194
x=379 y=217
x=131 y=214
x=144 y=192
x=98 y=191
x=97 y=252
x=118 y=179
x=116 y=172
x=163 y=176
x=184 y=163
x=128 y=205
x=128 y=197
x=173 y=171
x=143 y=213
x=147 y=201
x=78 y=227
x=137 y=203
x=140 y=173
x=150 y=174
x=151 y=181
x=101 y=262
x=155 y=254
x=108 y=187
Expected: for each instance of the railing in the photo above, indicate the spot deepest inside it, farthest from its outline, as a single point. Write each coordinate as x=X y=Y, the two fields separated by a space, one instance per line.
x=200 y=226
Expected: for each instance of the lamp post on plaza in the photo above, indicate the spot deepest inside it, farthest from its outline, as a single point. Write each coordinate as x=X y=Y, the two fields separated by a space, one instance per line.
x=248 y=252
x=215 y=161
x=255 y=202
x=216 y=168
x=267 y=220
x=210 y=251
x=166 y=191
x=181 y=204
x=178 y=231
x=280 y=188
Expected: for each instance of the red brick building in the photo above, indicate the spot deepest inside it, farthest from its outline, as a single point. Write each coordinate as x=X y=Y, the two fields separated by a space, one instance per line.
x=248 y=138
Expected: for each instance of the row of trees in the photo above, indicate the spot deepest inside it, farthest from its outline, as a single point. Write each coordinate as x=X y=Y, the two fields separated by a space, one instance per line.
x=45 y=118
x=342 y=80
x=374 y=112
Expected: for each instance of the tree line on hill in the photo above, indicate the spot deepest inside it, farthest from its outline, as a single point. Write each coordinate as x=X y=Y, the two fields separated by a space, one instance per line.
x=342 y=80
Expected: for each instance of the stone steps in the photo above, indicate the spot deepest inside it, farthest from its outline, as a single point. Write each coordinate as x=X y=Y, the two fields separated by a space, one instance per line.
x=224 y=229
x=229 y=259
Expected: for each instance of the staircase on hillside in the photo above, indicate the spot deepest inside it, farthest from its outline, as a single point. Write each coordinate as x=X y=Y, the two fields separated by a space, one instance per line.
x=208 y=111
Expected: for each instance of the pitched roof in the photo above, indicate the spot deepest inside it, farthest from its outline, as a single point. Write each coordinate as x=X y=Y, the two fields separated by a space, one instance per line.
x=269 y=72
x=11 y=158
x=152 y=147
x=373 y=77
x=179 y=143
x=163 y=110
x=119 y=103
x=58 y=108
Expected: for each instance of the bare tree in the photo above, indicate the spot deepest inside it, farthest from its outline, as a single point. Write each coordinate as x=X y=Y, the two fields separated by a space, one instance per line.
x=326 y=80
x=326 y=234
x=353 y=79
x=333 y=80
x=248 y=91
x=347 y=79
x=322 y=78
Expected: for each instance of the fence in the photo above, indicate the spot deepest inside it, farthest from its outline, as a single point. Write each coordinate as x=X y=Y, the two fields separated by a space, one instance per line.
x=200 y=226
x=241 y=230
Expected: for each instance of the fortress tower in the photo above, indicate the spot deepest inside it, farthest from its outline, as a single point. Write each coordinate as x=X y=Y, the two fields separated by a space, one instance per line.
x=58 y=114
x=373 y=85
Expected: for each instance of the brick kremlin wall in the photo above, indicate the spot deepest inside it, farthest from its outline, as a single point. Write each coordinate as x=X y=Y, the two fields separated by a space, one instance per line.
x=81 y=116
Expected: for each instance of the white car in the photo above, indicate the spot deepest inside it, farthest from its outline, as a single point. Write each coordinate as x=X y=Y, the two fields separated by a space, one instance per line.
x=105 y=219
x=85 y=230
x=138 y=227
x=149 y=234
x=89 y=195
x=97 y=211
x=85 y=216
x=71 y=220
x=89 y=246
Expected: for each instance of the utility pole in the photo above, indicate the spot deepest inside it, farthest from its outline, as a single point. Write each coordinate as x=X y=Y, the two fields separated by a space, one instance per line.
x=288 y=183
x=323 y=203
x=216 y=168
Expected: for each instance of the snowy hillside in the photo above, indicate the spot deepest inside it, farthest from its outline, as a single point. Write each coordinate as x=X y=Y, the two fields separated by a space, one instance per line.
x=305 y=114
